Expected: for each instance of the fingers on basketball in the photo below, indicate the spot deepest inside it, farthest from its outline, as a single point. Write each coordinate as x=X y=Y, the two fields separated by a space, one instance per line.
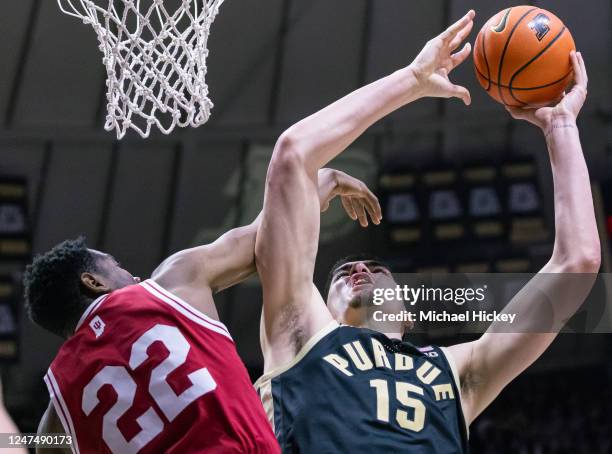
x=580 y=74
x=580 y=82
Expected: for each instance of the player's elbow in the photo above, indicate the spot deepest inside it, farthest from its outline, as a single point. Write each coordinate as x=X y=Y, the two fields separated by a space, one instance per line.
x=587 y=263
x=286 y=160
x=587 y=260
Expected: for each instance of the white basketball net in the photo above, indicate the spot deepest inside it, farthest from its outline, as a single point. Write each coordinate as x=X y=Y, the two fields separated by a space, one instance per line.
x=155 y=57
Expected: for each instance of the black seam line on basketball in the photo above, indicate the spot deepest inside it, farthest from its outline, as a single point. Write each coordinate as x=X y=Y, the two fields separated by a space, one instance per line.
x=502 y=25
x=484 y=54
x=484 y=49
x=550 y=84
x=522 y=68
x=503 y=55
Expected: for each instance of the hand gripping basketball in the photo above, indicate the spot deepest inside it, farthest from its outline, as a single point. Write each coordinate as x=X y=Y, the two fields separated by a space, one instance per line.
x=569 y=105
x=435 y=62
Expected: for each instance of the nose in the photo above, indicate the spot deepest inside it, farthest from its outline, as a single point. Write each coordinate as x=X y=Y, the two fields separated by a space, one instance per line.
x=360 y=267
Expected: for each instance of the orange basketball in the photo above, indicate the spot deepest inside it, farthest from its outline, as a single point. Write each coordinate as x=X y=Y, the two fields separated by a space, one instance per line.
x=521 y=57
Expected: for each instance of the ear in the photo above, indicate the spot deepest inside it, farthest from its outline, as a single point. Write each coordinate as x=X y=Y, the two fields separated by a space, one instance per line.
x=93 y=284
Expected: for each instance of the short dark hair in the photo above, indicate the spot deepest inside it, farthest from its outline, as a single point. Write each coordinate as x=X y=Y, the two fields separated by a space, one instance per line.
x=365 y=257
x=52 y=287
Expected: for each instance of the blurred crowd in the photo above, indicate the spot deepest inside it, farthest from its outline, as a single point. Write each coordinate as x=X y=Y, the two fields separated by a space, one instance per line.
x=557 y=412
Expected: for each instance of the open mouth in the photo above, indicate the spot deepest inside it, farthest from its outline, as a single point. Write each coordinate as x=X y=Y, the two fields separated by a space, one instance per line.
x=359 y=280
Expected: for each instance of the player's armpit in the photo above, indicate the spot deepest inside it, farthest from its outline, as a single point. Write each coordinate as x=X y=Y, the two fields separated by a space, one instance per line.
x=286 y=333
x=285 y=252
x=486 y=366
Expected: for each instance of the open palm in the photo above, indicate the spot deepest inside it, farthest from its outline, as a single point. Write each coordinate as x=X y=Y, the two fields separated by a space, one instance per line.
x=435 y=62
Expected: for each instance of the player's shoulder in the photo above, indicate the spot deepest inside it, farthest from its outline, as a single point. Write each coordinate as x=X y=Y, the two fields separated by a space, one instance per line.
x=181 y=267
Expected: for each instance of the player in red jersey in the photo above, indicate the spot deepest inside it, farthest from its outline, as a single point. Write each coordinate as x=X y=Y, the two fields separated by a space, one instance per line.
x=147 y=366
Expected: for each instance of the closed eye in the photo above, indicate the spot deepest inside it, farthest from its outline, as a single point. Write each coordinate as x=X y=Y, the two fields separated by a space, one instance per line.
x=380 y=269
x=340 y=274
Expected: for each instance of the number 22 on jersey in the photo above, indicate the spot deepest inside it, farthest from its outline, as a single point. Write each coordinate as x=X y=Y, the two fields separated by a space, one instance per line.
x=124 y=385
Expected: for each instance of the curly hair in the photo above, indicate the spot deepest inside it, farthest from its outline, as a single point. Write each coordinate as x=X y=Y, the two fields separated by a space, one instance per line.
x=52 y=286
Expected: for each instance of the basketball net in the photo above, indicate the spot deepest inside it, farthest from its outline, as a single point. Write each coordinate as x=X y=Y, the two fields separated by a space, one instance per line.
x=155 y=59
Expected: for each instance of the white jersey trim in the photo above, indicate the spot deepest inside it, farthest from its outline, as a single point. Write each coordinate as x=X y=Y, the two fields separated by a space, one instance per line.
x=451 y=361
x=90 y=310
x=61 y=408
x=185 y=308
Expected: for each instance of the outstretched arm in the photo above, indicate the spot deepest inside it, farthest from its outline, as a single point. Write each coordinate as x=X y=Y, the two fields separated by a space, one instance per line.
x=322 y=136
x=288 y=236
x=200 y=271
x=487 y=365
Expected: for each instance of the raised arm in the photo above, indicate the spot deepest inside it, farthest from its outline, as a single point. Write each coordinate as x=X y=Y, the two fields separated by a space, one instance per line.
x=322 y=136
x=288 y=236
x=487 y=365
x=197 y=273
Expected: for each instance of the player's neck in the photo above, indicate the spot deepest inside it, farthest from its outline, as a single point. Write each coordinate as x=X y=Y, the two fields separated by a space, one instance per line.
x=71 y=326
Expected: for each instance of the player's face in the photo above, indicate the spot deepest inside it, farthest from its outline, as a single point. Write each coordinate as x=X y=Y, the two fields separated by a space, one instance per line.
x=111 y=273
x=353 y=284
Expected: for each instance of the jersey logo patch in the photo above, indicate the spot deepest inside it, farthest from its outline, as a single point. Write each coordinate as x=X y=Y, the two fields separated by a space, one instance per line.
x=97 y=326
x=429 y=351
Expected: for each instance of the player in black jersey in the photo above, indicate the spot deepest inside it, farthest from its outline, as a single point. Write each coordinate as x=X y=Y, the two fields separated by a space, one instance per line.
x=329 y=387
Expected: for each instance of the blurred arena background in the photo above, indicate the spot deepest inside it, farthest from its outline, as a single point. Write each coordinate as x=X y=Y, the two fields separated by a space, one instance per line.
x=463 y=189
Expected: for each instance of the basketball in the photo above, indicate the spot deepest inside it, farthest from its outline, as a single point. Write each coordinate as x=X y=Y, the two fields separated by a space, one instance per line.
x=521 y=57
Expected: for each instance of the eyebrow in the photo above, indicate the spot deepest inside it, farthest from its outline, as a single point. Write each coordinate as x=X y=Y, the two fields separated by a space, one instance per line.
x=374 y=263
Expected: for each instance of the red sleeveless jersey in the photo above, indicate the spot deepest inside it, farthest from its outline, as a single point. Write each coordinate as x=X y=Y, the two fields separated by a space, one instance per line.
x=145 y=372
